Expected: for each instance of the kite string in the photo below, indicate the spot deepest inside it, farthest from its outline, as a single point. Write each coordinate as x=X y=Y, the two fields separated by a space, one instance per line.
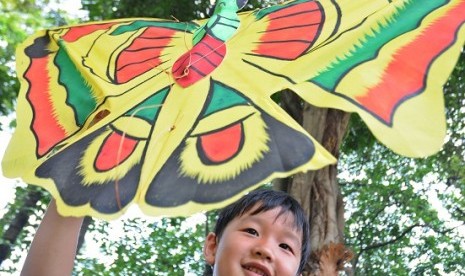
x=191 y=63
x=120 y=150
x=186 y=70
x=105 y=112
x=171 y=81
x=123 y=136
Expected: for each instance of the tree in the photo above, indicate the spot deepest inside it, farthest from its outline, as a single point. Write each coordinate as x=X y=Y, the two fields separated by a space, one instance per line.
x=29 y=203
x=318 y=191
x=386 y=196
x=181 y=9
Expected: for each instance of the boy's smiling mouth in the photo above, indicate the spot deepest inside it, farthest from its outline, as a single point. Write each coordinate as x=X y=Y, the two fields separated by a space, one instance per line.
x=257 y=269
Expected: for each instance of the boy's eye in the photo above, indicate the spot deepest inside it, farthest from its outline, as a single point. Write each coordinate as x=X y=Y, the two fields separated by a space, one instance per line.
x=251 y=231
x=286 y=247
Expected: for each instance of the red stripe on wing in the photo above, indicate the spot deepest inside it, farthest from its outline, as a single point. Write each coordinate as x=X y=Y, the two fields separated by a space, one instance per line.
x=291 y=31
x=395 y=87
x=143 y=54
x=75 y=33
x=45 y=125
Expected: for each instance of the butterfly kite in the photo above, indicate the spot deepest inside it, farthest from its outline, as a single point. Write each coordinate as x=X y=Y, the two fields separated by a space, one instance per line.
x=177 y=116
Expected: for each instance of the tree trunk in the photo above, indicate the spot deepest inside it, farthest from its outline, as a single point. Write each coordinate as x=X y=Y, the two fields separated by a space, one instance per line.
x=18 y=222
x=318 y=191
x=82 y=233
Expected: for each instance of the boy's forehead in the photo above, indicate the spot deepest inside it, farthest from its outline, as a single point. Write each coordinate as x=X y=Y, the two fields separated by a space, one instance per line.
x=277 y=213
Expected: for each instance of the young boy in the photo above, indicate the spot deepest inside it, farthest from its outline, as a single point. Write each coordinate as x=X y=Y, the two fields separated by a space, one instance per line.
x=266 y=233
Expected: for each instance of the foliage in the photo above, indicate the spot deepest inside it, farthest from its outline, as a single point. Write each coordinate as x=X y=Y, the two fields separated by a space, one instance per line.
x=182 y=10
x=32 y=213
x=407 y=216
x=169 y=246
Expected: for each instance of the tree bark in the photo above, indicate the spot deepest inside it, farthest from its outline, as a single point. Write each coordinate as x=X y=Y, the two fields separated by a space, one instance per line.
x=318 y=191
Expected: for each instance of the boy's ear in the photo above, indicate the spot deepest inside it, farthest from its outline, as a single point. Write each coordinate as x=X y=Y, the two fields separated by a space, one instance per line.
x=209 y=248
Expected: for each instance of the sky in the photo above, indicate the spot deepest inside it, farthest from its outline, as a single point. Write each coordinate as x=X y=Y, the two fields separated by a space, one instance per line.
x=72 y=7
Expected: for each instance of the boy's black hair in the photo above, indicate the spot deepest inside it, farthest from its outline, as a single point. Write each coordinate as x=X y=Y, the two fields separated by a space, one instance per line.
x=268 y=200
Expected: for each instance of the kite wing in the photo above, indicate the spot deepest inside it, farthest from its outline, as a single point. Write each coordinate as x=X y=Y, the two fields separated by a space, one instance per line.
x=385 y=60
x=177 y=117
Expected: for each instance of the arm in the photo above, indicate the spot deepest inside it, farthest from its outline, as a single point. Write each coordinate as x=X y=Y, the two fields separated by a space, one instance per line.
x=53 y=249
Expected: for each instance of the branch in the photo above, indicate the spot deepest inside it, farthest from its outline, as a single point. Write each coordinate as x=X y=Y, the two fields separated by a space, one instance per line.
x=360 y=235
x=462 y=213
x=381 y=244
x=405 y=232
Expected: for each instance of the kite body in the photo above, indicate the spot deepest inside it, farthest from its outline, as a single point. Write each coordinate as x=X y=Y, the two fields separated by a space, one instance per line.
x=177 y=117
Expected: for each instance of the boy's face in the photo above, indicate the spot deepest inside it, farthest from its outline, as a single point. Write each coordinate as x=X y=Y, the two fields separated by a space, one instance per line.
x=261 y=244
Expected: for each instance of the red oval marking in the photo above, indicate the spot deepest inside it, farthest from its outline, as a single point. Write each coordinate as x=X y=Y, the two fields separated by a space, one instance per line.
x=114 y=151
x=222 y=145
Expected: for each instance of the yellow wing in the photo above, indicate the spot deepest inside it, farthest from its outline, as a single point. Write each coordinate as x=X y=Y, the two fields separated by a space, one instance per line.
x=178 y=118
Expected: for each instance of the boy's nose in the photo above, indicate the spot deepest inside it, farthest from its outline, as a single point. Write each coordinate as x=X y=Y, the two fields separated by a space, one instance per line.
x=263 y=251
